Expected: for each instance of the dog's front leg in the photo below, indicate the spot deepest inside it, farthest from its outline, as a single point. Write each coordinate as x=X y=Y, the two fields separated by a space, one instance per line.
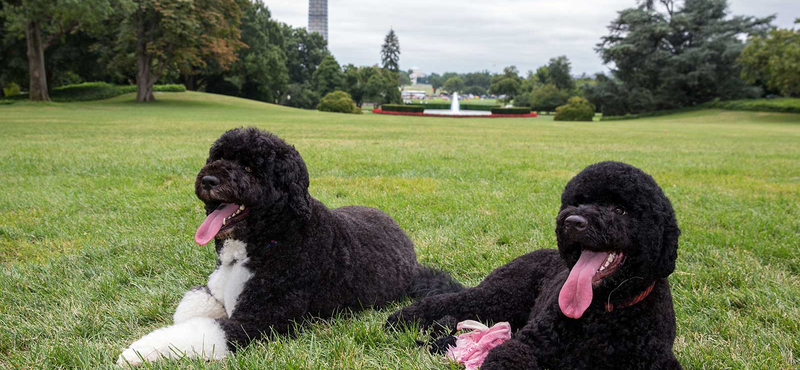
x=198 y=302
x=196 y=337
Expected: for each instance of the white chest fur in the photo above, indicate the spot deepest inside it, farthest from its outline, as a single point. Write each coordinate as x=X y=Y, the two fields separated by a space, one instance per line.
x=227 y=281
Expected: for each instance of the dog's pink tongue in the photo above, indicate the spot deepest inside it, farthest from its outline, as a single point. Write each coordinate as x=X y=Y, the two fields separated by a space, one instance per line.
x=210 y=227
x=576 y=294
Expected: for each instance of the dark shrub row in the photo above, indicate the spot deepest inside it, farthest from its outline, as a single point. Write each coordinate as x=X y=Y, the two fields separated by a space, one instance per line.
x=97 y=91
x=782 y=105
x=404 y=108
x=517 y=110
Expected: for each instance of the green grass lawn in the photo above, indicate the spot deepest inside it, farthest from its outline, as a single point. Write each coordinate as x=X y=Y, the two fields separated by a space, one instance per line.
x=97 y=217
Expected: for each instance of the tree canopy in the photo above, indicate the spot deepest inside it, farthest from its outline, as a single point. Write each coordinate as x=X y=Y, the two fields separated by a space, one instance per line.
x=328 y=77
x=45 y=22
x=507 y=83
x=682 y=53
x=177 y=35
x=774 y=61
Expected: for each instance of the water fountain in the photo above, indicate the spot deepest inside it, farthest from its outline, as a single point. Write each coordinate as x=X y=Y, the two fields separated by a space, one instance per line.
x=455 y=110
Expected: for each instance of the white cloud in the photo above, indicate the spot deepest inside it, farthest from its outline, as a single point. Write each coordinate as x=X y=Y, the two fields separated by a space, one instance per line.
x=471 y=35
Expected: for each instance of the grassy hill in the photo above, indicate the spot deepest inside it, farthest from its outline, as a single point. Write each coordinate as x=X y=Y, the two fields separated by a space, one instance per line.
x=97 y=215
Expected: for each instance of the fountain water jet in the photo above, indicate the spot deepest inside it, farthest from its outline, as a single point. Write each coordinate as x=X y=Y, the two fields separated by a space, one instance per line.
x=455 y=107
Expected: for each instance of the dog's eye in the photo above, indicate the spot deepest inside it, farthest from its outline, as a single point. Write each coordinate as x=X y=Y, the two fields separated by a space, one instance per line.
x=248 y=169
x=620 y=211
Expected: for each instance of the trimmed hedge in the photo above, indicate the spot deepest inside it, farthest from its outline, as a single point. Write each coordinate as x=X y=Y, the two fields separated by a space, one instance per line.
x=518 y=110
x=657 y=113
x=97 y=91
x=780 y=105
x=404 y=108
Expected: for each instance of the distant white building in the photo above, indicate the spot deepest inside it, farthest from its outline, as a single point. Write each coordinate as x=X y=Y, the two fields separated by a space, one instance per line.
x=415 y=74
x=413 y=94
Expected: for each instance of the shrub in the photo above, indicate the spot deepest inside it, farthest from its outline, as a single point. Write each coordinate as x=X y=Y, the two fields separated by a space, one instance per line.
x=577 y=109
x=517 y=110
x=404 y=108
x=169 y=88
x=339 y=102
x=784 y=105
x=11 y=90
x=85 y=91
x=97 y=91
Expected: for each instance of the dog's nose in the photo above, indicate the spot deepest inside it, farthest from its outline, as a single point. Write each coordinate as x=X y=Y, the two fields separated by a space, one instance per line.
x=576 y=222
x=210 y=182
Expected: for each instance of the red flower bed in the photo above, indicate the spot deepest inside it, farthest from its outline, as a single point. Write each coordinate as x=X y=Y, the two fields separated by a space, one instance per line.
x=380 y=111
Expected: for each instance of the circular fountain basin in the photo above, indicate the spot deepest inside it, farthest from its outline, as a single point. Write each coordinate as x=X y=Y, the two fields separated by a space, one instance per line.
x=449 y=112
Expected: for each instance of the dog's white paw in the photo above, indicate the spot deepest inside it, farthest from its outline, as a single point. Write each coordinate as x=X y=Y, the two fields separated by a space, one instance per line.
x=130 y=357
x=197 y=337
x=198 y=303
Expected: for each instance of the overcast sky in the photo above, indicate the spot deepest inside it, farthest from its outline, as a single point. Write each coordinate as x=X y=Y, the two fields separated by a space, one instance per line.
x=472 y=35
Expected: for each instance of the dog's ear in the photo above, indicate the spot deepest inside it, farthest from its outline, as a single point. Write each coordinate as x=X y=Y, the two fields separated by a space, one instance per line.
x=293 y=175
x=669 y=241
x=300 y=201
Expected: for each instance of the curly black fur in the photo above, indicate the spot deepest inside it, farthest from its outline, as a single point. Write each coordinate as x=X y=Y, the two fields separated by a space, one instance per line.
x=306 y=259
x=625 y=211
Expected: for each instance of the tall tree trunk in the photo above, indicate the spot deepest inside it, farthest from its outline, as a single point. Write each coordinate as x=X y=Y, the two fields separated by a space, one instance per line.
x=144 y=77
x=2 y=90
x=38 y=83
x=190 y=81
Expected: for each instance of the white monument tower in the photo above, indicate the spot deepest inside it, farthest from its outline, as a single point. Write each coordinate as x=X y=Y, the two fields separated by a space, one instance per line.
x=318 y=17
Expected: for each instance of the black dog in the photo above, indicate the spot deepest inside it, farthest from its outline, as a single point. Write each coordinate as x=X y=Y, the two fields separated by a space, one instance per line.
x=601 y=301
x=282 y=255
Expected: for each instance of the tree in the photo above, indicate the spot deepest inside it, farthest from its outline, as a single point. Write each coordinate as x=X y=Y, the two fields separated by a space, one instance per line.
x=13 y=65
x=355 y=82
x=547 y=98
x=436 y=81
x=559 y=73
x=475 y=90
x=774 y=61
x=390 y=52
x=454 y=84
x=615 y=99
x=507 y=84
x=682 y=55
x=482 y=79
x=522 y=100
x=542 y=75
x=177 y=35
x=300 y=96
x=304 y=53
x=405 y=78
x=382 y=87
x=43 y=22
x=328 y=77
x=262 y=64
